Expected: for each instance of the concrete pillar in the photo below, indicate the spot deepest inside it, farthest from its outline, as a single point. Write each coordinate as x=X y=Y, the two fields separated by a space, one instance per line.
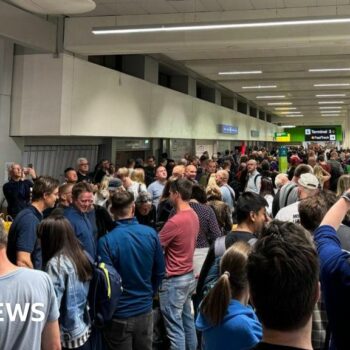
x=217 y=97
x=192 y=87
x=11 y=148
x=151 y=70
x=235 y=103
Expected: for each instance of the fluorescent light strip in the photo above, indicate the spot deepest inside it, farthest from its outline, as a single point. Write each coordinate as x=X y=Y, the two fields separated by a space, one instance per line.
x=335 y=84
x=268 y=97
x=288 y=126
x=260 y=87
x=295 y=112
x=210 y=26
x=241 y=72
x=330 y=102
x=294 y=116
x=330 y=115
x=279 y=103
x=284 y=108
x=330 y=107
x=332 y=95
x=329 y=70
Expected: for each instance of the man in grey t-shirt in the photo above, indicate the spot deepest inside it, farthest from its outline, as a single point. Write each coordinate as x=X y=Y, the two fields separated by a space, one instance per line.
x=28 y=307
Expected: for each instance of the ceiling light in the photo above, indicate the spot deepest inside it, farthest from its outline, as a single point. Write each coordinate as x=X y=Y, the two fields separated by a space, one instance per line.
x=288 y=126
x=335 y=84
x=209 y=26
x=330 y=115
x=279 y=103
x=284 y=108
x=329 y=69
x=330 y=112
x=294 y=116
x=288 y=113
x=276 y=96
x=260 y=87
x=330 y=107
x=331 y=95
x=241 y=72
x=330 y=102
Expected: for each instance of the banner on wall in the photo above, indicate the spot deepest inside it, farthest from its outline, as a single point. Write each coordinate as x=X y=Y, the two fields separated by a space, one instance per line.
x=282 y=159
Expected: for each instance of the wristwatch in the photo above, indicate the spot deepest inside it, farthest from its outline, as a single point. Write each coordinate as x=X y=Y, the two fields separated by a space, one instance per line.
x=346 y=196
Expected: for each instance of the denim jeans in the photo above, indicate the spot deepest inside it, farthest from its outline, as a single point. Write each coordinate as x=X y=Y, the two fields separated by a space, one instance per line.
x=133 y=333
x=175 y=303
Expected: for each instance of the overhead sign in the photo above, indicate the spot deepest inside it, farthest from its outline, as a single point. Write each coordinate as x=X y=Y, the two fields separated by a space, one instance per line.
x=282 y=137
x=254 y=133
x=320 y=134
x=227 y=129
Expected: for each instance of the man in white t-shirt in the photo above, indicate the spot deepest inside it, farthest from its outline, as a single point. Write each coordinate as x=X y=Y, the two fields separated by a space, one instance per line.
x=308 y=185
x=28 y=309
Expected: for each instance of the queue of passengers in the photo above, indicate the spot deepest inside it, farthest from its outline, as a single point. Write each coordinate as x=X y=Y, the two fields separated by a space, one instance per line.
x=214 y=253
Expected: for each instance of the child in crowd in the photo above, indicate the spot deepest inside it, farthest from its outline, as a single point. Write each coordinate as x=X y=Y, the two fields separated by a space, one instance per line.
x=225 y=319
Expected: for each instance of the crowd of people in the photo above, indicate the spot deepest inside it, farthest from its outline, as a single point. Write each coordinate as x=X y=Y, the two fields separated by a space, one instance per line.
x=220 y=252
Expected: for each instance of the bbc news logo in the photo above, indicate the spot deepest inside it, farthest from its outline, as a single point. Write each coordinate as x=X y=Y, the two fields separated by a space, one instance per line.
x=20 y=312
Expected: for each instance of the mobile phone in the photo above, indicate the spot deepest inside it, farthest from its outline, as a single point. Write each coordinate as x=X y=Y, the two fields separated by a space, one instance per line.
x=30 y=165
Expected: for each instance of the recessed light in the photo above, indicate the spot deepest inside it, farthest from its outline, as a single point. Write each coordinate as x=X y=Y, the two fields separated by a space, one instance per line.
x=279 y=103
x=330 y=102
x=330 y=107
x=335 y=84
x=276 y=96
x=329 y=69
x=241 y=72
x=260 y=87
x=284 y=108
x=210 y=26
x=331 y=95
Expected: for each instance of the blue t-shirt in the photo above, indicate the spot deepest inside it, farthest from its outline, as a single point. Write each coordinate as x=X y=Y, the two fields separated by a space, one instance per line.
x=135 y=252
x=22 y=236
x=239 y=330
x=83 y=229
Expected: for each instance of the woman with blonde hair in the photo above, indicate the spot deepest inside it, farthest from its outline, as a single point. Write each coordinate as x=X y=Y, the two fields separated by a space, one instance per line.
x=343 y=184
x=138 y=178
x=102 y=194
x=225 y=318
x=321 y=174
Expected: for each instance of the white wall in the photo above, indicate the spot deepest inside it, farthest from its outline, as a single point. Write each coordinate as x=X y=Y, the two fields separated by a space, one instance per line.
x=10 y=147
x=68 y=96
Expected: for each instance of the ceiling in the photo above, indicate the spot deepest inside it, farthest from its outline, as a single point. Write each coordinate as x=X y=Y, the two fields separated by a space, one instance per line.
x=283 y=54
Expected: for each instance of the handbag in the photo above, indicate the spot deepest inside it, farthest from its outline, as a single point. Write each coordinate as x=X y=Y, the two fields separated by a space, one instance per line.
x=6 y=221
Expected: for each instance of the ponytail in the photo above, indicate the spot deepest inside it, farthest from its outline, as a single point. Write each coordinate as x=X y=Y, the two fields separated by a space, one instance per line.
x=230 y=285
x=216 y=302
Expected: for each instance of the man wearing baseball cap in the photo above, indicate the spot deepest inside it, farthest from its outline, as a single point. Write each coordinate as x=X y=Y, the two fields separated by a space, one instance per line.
x=308 y=185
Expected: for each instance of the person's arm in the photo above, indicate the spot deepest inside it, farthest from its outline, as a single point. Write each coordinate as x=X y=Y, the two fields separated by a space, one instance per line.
x=25 y=243
x=336 y=213
x=57 y=278
x=167 y=233
x=258 y=184
x=158 y=270
x=23 y=259
x=50 y=337
x=103 y=251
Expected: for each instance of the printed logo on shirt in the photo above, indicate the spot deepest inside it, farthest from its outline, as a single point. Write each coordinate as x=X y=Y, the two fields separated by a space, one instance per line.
x=20 y=312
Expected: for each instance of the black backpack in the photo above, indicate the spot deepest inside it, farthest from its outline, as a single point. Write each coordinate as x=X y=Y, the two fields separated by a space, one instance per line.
x=104 y=292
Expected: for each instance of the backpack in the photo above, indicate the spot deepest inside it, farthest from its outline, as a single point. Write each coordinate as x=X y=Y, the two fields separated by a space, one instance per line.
x=214 y=271
x=104 y=292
